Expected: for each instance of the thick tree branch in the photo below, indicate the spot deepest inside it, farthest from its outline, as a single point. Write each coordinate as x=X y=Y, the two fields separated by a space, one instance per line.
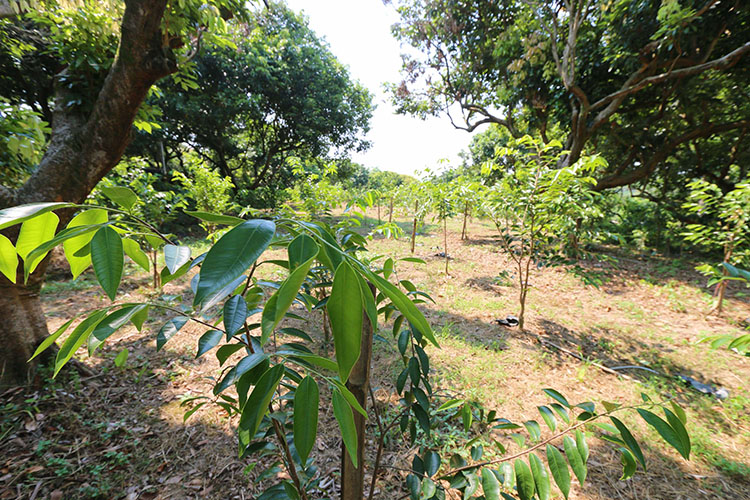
x=721 y=63
x=83 y=148
x=705 y=130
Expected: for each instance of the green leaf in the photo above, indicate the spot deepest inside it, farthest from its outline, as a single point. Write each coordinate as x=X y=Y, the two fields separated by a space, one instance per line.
x=121 y=358
x=279 y=303
x=228 y=220
x=557 y=397
x=628 y=464
x=345 y=312
x=48 y=341
x=666 y=431
x=115 y=320
x=301 y=249
x=404 y=305
x=574 y=458
x=16 y=215
x=125 y=197
x=223 y=352
x=8 y=259
x=232 y=255
x=541 y=479
x=107 y=258
x=344 y=416
x=561 y=412
x=582 y=445
x=432 y=463
x=559 y=469
x=490 y=485
x=169 y=330
x=350 y=398
x=257 y=403
x=629 y=441
x=413 y=484
x=524 y=480
x=176 y=256
x=548 y=417
x=78 y=336
x=677 y=409
x=466 y=416
x=305 y=425
x=34 y=232
x=77 y=257
x=450 y=404
x=245 y=365
x=428 y=488
x=208 y=341
x=235 y=314
x=139 y=318
x=133 y=250
x=535 y=432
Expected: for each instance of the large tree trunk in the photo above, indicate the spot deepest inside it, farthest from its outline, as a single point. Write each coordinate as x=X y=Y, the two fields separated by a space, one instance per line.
x=23 y=328
x=82 y=149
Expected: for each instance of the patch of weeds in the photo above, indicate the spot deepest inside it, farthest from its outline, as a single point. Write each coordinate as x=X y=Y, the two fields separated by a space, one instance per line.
x=504 y=278
x=633 y=310
x=703 y=445
x=83 y=282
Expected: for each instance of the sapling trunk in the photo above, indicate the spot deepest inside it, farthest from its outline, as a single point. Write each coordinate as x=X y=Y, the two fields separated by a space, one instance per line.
x=353 y=478
x=414 y=227
x=721 y=288
x=466 y=216
x=379 y=221
x=156 y=277
x=390 y=212
x=445 y=242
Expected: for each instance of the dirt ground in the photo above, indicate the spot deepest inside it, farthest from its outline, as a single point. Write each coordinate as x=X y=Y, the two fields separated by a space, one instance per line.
x=120 y=433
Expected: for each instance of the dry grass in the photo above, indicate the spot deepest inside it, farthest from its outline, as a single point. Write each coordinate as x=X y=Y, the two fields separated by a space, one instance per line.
x=121 y=434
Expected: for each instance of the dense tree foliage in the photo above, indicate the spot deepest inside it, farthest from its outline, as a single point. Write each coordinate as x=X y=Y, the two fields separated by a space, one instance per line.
x=278 y=93
x=637 y=81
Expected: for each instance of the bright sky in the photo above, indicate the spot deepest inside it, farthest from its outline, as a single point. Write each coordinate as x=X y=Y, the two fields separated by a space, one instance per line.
x=358 y=32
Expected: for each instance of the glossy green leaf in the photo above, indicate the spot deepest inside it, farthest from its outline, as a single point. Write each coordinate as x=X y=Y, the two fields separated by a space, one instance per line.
x=557 y=397
x=628 y=464
x=16 y=215
x=345 y=312
x=223 y=352
x=350 y=398
x=300 y=250
x=404 y=305
x=665 y=431
x=78 y=258
x=8 y=259
x=279 y=303
x=34 y=232
x=305 y=424
x=345 y=418
x=176 y=256
x=257 y=403
x=48 y=341
x=629 y=441
x=431 y=463
x=232 y=255
x=136 y=254
x=107 y=258
x=124 y=197
x=236 y=372
x=524 y=480
x=169 y=330
x=428 y=488
x=679 y=428
x=582 y=445
x=541 y=479
x=490 y=485
x=139 y=318
x=574 y=458
x=559 y=469
x=208 y=341
x=548 y=416
x=532 y=427
x=115 y=320
x=235 y=314
x=78 y=336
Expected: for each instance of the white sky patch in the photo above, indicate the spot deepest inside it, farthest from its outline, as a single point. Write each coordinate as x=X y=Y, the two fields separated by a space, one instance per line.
x=359 y=33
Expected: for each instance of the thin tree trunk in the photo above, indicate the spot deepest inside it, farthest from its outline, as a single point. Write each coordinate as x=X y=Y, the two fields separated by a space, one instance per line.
x=466 y=216
x=379 y=220
x=390 y=212
x=353 y=478
x=414 y=227
x=721 y=288
x=445 y=242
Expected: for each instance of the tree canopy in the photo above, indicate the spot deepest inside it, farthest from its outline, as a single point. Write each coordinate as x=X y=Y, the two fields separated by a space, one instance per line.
x=639 y=81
